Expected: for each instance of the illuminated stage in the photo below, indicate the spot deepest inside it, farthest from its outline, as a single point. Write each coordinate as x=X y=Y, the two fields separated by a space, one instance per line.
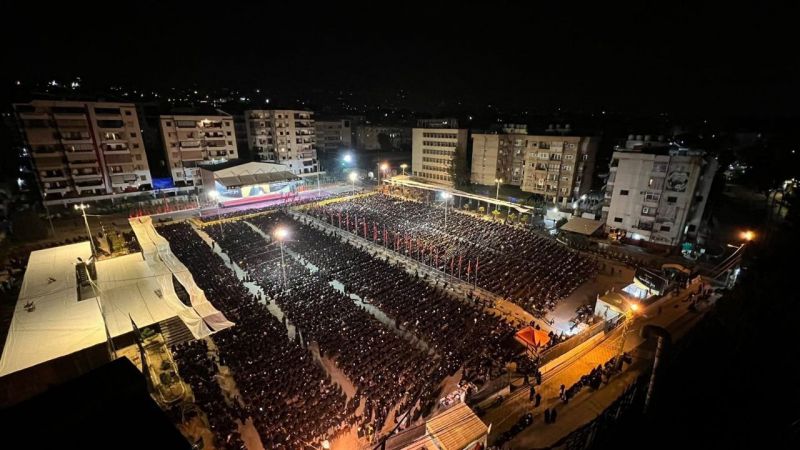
x=249 y=182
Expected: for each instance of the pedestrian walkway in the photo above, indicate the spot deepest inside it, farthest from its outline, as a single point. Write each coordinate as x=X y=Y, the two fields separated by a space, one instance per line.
x=581 y=409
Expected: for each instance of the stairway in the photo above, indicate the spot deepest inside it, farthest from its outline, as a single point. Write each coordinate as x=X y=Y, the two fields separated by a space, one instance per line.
x=174 y=331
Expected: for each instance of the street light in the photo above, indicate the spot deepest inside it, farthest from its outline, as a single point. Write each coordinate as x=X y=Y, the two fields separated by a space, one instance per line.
x=214 y=196
x=353 y=176
x=83 y=207
x=404 y=167
x=281 y=234
x=446 y=196
x=748 y=235
x=497 y=193
x=630 y=317
x=348 y=158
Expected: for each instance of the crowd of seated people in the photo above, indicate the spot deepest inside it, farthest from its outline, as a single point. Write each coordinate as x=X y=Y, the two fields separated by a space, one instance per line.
x=198 y=369
x=513 y=262
x=463 y=333
x=383 y=367
x=290 y=399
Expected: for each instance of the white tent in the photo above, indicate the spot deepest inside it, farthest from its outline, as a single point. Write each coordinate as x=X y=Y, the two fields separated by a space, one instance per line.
x=49 y=321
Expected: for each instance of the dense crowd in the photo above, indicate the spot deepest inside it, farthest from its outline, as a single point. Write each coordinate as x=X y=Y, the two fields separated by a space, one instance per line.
x=292 y=402
x=389 y=369
x=513 y=262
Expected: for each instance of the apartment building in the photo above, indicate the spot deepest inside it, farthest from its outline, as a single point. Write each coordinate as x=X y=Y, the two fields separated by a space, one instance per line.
x=559 y=168
x=434 y=151
x=442 y=122
x=382 y=137
x=658 y=193
x=333 y=135
x=84 y=148
x=287 y=137
x=192 y=140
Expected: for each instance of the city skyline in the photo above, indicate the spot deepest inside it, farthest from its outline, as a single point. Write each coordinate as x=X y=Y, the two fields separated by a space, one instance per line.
x=703 y=61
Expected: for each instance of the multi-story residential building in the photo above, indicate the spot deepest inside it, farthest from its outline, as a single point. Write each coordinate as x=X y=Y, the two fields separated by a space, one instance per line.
x=191 y=140
x=333 y=135
x=378 y=137
x=443 y=122
x=559 y=168
x=84 y=148
x=283 y=136
x=435 y=151
x=658 y=193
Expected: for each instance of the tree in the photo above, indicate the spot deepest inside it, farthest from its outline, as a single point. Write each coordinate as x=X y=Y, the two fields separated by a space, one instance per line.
x=495 y=214
x=458 y=168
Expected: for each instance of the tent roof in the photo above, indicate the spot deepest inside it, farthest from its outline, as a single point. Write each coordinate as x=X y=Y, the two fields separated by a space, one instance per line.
x=61 y=324
x=251 y=173
x=582 y=225
x=456 y=428
x=532 y=336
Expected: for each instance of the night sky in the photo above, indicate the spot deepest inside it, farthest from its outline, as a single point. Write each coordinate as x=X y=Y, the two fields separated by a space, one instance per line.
x=672 y=58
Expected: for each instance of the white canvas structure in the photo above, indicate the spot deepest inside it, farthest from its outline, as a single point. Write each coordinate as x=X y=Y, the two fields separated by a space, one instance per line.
x=51 y=321
x=58 y=323
x=157 y=252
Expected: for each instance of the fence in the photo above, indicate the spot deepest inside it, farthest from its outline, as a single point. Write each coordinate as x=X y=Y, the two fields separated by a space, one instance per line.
x=565 y=347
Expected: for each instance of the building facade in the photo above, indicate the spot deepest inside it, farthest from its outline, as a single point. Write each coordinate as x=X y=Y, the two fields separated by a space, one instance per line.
x=658 y=194
x=434 y=151
x=191 y=140
x=333 y=135
x=283 y=136
x=386 y=138
x=442 y=122
x=559 y=168
x=84 y=148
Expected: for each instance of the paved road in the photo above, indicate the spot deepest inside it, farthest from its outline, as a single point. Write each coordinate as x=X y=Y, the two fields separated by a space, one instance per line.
x=586 y=405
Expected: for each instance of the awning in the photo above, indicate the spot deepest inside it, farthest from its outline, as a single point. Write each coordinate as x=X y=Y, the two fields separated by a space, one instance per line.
x=580 y=225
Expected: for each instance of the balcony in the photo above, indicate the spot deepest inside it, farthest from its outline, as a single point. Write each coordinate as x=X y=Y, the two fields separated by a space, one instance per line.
x=194 y=155
x=87 y=176
x=215 y=143
x=113 y=149
x=82 y=164
x=57 y=190
x=52 y=178
x=189 y=145
x=87 y=140
x=123 y=179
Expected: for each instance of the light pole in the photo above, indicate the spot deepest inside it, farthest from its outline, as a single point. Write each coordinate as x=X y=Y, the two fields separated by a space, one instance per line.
x=404 y=167
x=83 y=207
x=384 y=167
x=353 y=177
x=111 y=349
x=497 y=192
x=281 y=234
x=446 y=196
x=630 y=317
x=214 y=196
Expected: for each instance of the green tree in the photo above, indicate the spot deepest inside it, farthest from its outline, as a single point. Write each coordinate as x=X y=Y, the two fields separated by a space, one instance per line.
x=458 y=168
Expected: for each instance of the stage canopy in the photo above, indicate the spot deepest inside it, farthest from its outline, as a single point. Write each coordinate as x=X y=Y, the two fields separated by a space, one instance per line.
x=251 y=173
x=580 y=225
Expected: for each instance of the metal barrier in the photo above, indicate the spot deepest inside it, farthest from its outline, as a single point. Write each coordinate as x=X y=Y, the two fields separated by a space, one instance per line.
x=565 y=347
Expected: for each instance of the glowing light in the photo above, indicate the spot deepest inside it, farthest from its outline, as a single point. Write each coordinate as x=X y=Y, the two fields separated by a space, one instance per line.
x=353 y=177
x=281 y=233
x=748 y=235
x=348 y=158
